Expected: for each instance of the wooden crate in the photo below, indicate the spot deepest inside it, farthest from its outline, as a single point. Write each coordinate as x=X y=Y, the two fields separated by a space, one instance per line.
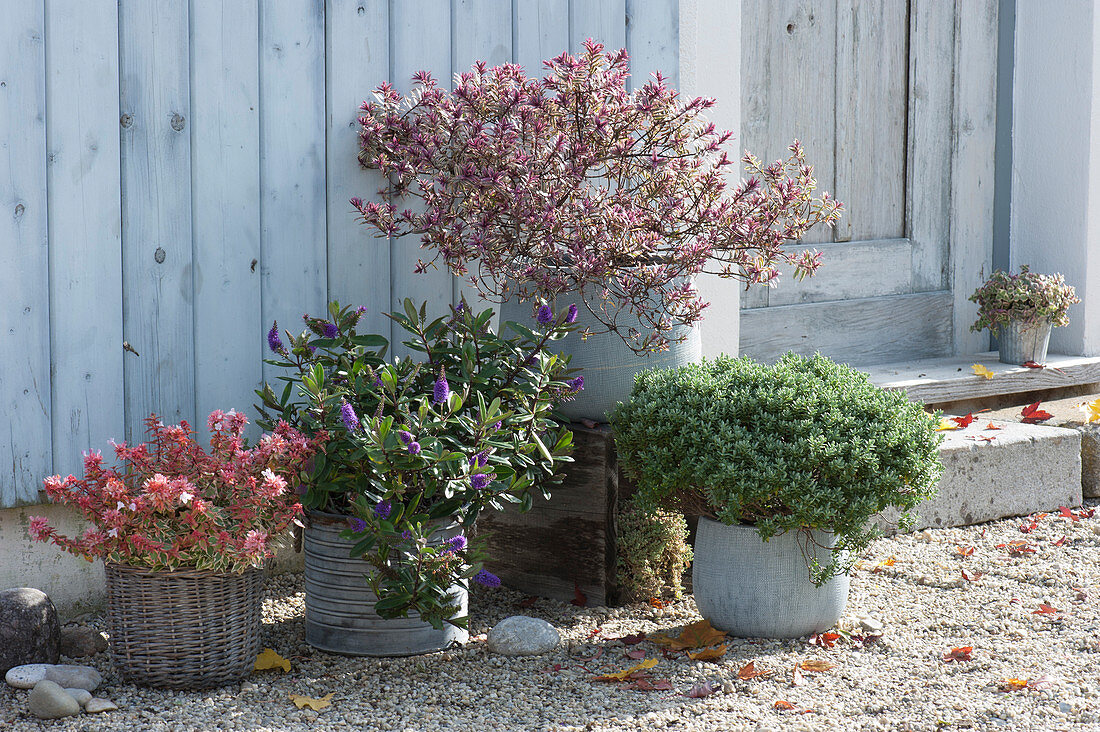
x=569 y=542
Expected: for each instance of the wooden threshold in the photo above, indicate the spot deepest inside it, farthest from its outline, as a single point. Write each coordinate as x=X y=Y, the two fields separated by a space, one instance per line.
x=938 y=380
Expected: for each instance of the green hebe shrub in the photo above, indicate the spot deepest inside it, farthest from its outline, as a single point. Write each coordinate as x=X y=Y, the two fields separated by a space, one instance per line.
x=805 y=443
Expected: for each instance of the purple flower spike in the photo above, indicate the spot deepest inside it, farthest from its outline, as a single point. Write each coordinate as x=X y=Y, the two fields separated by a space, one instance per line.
x=347 y=413
x=442 y=390
x=478 y=481
x=498 y=425
x=382 y=509
x=414 y=448
x=487 y=578
x=405 y=436
x=274 y=342
x=480 y=459
x=359 y=312
x=571 y=316
x=576 y=384
x=456 y=543
x=357 y=525
x=545 y=315
x=330 y=330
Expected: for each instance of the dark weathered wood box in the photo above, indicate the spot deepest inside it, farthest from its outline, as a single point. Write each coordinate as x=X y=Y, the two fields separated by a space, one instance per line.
x=569 y=542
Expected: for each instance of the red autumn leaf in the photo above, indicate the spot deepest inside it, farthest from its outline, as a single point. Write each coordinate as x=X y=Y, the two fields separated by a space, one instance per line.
x=528 y=602
x=825 y=640
x=783 y=704
x=971 y=577
x=632 y=640
x=749 y=671
x=595 y=632
x=704 y=689
x=963 y=422
x=1028 y=527
x=1033 y=365
x=981 y=438
x=964 y=551
x=1033 y=415
x=1045 y=609
x=579 y=598
x=1086 y=513
x=961 y=653
x=992 y=426
x=636 y=655
x=1017 y=548
x=1060 y=542
x=1064 y=512
x=657 y=602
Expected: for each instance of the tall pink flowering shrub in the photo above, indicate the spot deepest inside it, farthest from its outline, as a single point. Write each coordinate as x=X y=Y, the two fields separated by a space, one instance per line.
x=172 y=504
x=571 y=184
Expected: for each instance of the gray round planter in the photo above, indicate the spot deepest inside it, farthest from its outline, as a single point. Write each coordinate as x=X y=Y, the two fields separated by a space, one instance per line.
x=1022 y=342
x=340 y=615
x=756 y=589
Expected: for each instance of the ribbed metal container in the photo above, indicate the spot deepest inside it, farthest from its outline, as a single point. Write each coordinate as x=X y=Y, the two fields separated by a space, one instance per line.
x=1022 y=342
x=756 y=589
x=340 y=615
x=607 y=364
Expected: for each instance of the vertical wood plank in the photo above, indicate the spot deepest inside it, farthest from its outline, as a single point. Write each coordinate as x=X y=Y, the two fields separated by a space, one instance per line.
x=972 y=164
x=928 y=165
x=652 y=39
x=871 y=110
x=293 y=253
x=24 y=278
x=357 y=52
x=788 y=88
x=482 y=32
x=600 y=20
x=156 y=212
x=225 y=184
x=85 y=227
x=541 y=32
x=411 y=21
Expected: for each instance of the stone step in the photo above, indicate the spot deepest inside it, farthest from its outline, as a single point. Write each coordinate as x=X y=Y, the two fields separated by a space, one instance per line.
x=1016 y=470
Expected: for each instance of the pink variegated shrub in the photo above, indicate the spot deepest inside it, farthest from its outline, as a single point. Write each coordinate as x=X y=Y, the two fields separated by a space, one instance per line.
x=572 y=184
x=173 y=504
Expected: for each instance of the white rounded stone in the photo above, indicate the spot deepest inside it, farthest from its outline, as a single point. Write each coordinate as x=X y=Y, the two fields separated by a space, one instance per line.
x=520 y=635
x=96 y=705
x=26 y=676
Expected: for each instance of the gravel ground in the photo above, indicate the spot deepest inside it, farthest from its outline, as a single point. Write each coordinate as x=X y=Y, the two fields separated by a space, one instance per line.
x=925 y=605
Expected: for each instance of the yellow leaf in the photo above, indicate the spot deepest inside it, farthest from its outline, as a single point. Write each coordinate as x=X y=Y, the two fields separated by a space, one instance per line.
x=1013 y=684
x=708 y=654
x=314 y=704
x=624 y=675
x=816 y=666
x=883 y=564
x=696 y=635
x=1092 y=409
x=270 y=659
x=946 y=424
x=980 y=370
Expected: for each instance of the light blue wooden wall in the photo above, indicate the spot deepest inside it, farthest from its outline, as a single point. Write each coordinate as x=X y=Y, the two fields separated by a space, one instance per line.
x=175 y=175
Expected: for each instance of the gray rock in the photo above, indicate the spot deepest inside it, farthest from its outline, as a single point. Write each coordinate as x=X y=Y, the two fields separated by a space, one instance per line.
x=99 y=705
x=80 y=641
x=47 y=700
x=81 y=695
x=25 y=677
x=29 y=630
x=521 y=635
x=76 y=677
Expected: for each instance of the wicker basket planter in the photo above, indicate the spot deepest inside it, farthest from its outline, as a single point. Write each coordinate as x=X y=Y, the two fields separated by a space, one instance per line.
x=184 y=629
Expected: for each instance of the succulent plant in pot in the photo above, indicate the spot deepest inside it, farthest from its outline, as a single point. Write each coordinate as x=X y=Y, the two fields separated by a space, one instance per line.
x=1021 y=309
x=572 y=189
x=786 y=464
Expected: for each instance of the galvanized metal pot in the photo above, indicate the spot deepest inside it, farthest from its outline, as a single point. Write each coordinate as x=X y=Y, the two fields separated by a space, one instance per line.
x=756 y=589
x=340 y=615
x=1021 y=342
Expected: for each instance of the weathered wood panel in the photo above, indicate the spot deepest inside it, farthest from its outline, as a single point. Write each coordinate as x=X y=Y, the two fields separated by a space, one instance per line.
x=653 y=40
x=850 y=270
x=972 y=177
x=24 y=278
x=865 y=331
x=871 y=109
x=600 y=20
x=156 y=212
x=541 y=32
x=85 y=228
x=931 y=99
x=225 y=184
x=357 y=52
x=411 y=22
x=293 y=252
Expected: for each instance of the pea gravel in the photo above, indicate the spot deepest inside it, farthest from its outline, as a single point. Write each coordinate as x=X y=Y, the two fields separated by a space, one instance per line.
x=921 y=600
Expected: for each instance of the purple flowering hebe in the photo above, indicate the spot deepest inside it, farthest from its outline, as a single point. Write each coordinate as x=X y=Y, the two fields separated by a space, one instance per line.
x=418 y=445
x=572 y=184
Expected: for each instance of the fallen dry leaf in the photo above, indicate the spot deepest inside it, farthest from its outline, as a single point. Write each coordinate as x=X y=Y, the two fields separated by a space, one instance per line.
x=971 y=576
x=708 y=654
x=1012 y=684
x=1032 y=365
x=749 y=671
x=527 y=602
x=1092 y=409
x=945 y=425
x=1045 y=609
x=992 y=426
x=964 y=421
x=1031 y=414
x=704 y=689
x=961 y=653
x=981 y=438
x=269 y=659
x=884 y=563
x=314 y=704
x=1017 y=548
x=782 y=704
x=964 y=551
x=797 y=679
x=657 y=602
x=696 y=635
x=825 y=640
x=636 y=655
x=649 y=685
x=579 y=598
x=1065 y=512
x=816 y=665
x=1061 y=541
x=625 y=674
x=980 y=370
x=631 y=640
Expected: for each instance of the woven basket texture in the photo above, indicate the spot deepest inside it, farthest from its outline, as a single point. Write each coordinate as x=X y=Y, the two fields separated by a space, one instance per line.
x=184 y=629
